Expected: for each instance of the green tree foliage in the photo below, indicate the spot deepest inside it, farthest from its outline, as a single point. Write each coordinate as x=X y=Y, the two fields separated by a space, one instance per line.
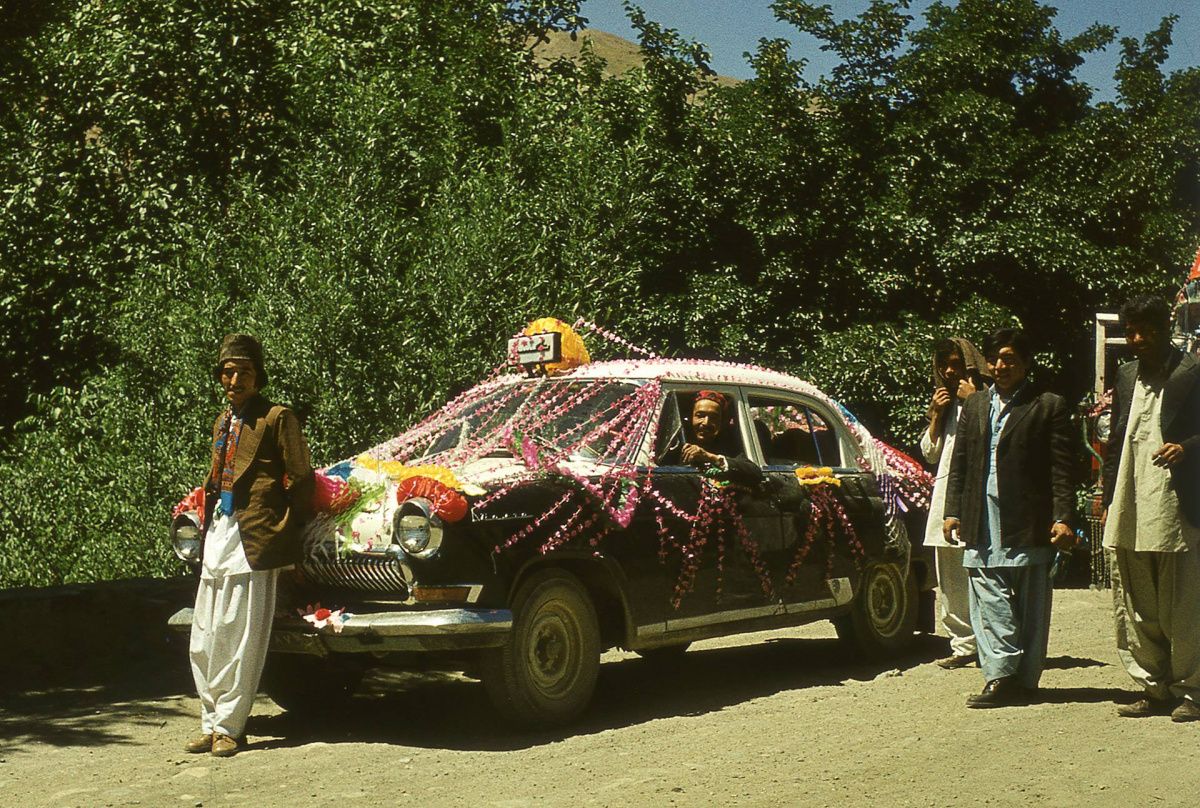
x=384 y=192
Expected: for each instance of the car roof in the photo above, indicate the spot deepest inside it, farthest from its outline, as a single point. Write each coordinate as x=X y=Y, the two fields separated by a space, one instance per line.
x=693 y=371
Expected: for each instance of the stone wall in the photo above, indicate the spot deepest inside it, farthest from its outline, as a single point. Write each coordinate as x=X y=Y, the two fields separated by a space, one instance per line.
x=83 y=633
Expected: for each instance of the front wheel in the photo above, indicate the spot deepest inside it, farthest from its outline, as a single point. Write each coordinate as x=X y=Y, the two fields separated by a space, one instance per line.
x=545 y=674
x=884 y=614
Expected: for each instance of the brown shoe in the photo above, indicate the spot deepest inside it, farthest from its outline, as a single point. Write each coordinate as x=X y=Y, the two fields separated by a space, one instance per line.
x=224 y=746
x=1002 y=692
x=956 y=661
x=201 y=743
x=1144 y=708
x=1187 y=710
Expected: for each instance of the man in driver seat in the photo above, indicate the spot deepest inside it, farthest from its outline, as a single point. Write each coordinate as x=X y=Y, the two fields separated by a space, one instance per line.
x=709 y=422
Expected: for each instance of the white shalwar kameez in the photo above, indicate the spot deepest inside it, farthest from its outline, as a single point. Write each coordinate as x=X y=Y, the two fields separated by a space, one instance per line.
x=231 y=627
x=1156 y=569
x=953 y=593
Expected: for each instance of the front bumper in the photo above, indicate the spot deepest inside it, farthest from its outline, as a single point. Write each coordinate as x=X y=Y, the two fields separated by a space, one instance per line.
x=381 y=632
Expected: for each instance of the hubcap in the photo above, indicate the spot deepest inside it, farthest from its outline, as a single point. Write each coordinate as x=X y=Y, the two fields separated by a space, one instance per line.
x=553 y=650
x=884 y=602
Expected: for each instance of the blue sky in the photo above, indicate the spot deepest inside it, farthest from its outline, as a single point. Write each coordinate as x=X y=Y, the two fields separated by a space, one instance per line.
x=731 y=27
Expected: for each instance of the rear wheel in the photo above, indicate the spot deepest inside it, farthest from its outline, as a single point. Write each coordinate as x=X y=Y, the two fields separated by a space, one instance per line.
x=546 y=673
x=884 y=614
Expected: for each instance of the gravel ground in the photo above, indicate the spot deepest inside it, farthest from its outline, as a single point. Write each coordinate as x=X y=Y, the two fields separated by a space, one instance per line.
x=777 y=718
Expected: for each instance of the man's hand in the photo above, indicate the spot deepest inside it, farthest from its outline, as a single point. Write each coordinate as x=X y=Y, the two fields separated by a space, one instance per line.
x=1168 y=455
x=941 y=400
x=694 y=455
x=1103 y=518
x=950 y=530
x=1062 y=537
x=965 y=388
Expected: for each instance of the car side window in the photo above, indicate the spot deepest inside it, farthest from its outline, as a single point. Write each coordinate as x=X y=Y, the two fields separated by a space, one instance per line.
x=668 y=443
x=793 y=434
x=675 y=428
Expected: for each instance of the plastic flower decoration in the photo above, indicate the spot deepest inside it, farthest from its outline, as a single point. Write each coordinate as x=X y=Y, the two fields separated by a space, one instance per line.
x=399 y=472
x=447 y=503
x=574 y=352
x=193 y=502
x=332 y=495
x=816 y=475
x=319 y=617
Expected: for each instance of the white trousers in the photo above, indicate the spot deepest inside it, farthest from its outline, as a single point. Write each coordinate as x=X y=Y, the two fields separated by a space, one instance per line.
x=231 y=626
x=954 y=601
x=1156 y=606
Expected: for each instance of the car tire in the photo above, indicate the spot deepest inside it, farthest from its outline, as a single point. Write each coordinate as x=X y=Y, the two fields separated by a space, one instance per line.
x=664 y=655
x=310 y=685
x=546 y=673
x=884 y=615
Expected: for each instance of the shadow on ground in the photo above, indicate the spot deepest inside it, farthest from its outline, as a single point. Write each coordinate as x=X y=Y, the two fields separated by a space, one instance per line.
x=1067 y=662
x=452 y=712
x=87 y=664
x=108 y=711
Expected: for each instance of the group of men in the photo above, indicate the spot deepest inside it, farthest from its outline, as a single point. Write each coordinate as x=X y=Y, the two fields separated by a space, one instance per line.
x=1003 y=504
x=1003 y=508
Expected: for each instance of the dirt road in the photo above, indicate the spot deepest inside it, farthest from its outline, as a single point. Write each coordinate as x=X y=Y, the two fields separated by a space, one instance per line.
x=780 y=718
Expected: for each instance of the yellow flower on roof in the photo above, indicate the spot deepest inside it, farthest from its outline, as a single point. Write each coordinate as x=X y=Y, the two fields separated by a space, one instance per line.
x=399 y=472
x=574 y=352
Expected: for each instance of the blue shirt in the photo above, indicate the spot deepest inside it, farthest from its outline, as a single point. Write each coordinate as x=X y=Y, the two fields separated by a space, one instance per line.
x=993 y=553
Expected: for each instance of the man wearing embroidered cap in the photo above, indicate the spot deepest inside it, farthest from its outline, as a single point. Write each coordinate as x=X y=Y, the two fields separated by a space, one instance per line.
x=710 y=414
x=257 y=498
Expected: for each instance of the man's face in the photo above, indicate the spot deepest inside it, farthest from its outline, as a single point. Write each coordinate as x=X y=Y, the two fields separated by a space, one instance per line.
x=1145 y=341
x=706 y=421
x=1008 y=369
x=953 y=370
x=239 y=381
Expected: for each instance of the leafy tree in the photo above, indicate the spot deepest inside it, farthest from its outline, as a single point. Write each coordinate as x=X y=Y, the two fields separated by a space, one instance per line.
x=385 y=192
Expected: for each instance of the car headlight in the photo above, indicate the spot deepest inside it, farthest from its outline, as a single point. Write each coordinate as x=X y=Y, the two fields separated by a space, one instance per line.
x=418 y=530
x=186 y=538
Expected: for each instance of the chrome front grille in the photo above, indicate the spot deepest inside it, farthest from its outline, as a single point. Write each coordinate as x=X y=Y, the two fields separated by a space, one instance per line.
x=361 y=573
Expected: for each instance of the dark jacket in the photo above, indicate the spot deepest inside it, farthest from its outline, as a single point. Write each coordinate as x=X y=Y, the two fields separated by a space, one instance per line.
x=1180 y=424
x=270 y=516
x=1034 y=465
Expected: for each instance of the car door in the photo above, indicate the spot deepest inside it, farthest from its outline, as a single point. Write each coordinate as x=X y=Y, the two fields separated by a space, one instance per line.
x=711 y=568
x=798 y=432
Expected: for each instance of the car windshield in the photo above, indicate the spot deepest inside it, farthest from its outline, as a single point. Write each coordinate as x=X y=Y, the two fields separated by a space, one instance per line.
x=540 y=420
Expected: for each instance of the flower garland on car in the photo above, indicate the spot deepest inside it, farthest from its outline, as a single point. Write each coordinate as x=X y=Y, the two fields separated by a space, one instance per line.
x=827 y=517
x=577 y=434
x=717 y=520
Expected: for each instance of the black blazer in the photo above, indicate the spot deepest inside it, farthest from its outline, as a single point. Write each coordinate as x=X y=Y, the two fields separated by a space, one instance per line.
x=1035 y=464
x=1180 y=424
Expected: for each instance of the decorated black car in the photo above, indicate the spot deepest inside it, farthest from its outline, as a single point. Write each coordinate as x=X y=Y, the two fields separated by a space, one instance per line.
x=547 y=514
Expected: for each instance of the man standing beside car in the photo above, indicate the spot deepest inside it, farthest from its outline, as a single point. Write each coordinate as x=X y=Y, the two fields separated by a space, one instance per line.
x=1009 y=502
x=257 y=498
x=958 y=371
x=1152 y=516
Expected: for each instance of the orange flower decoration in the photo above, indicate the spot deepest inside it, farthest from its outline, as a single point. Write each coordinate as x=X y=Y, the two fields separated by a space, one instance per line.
x=448 y=504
